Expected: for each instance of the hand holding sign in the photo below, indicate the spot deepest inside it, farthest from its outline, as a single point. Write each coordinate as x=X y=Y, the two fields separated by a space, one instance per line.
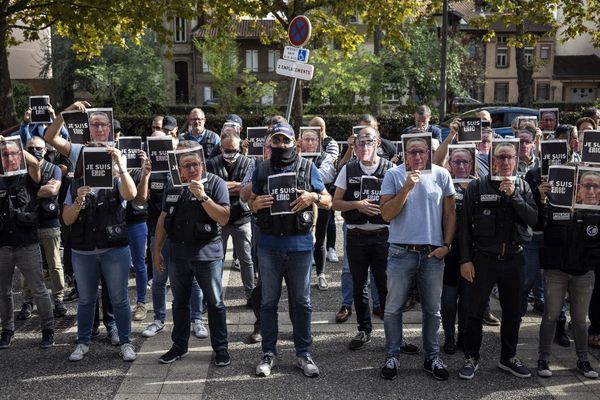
x=82 y=192
x=304 y=199
x=146 y=165
x=412 y=178
x=544 y=188
x=197 y=189
x=262 y=202
x=367 y=207
x=117 y=159
x=507 y=186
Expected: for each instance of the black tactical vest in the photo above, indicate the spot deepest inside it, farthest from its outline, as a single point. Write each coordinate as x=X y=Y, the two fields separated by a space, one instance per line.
x=135 y=213
x=48 y=207
x=18 y=211
x=239 y=213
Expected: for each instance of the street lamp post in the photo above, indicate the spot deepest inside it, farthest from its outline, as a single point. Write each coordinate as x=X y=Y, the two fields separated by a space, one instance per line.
x=444 y=56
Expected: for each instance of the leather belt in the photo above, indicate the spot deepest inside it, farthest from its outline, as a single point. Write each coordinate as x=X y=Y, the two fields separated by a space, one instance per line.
x=417 y=247
x=357 y=232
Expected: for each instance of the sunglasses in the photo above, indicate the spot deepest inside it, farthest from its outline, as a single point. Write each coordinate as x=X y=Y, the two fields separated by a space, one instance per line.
x=36 y=148
x=278 y=140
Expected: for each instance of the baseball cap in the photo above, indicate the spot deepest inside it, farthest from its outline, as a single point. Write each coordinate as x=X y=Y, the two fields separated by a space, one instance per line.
x=234 y=119
x=169 y=123
x=282 y=129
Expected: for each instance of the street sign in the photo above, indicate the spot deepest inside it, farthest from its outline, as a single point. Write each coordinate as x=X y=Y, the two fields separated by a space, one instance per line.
x=299 y=31
x=295 y=54
x=294 y=69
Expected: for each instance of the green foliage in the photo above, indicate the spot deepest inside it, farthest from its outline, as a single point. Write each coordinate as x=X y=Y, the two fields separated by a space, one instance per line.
x=21 y=93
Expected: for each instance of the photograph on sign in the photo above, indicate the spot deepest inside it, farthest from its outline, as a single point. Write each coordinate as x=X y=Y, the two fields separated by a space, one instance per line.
x=504 y=159
x=370 y=188
x=157 y=152
x=356 y=129
x=310 y=141
x=527 y=120
x=130 y=147
x=417 y=152
x=191 y=165
x=256 y=140
x=13 y=160
x=283 y=189
x=77 y=125
x=100 y=121
x=548 y=119
x=462 y=162
x=39 y=109
x=553 y=152
x=587 y=192
x=590 y=152
x=469 y=130
x=174 y=170
x=97 y=168
x=343 y=145
x=562 y=185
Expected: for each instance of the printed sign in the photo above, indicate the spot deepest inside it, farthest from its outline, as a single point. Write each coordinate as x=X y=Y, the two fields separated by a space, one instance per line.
x=158 y=148
x=591 y=147
x=292 y=53
x=462 y=162
x=562 y=183
x=417 y=152
x=356 y=129
x=187 y=165
x=587 y=193
x=469 y=130
x=548 y=119
x=39 y=109
x=293 y=69
x=100 y=121
x=283 y=189
x=97 y=168
x=370 y=188
x=77 y=125
x=504 y=159
x=13 y=161
x=256 y=140
x=527 y=120
x=174 y=170
x=554 y=152
x=130 y=147
x=310 y=141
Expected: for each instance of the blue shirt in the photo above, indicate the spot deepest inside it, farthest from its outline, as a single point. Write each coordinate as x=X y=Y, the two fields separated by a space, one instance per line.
x=27 y=131
x=436 y=132
x=216 y=139
x=420 y=220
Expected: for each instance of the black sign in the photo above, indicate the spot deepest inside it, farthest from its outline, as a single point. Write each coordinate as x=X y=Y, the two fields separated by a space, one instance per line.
x=469 y=130
x=370 y=187
x=77 y=125
x=343 y=145
x=591 y=147
x=158 y=148
x=174 y=169
x=562 y=182
x=554 y=152
x=283 y=189
x=130 y=147
x=39 y=109
x=256 y=141
x=97 y=168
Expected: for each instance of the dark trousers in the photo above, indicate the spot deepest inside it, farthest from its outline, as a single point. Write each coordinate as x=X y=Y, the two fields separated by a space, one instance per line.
x=320 y=233
x=508 y=275
x=364 y=252
x=331 y=231
x=594 y=312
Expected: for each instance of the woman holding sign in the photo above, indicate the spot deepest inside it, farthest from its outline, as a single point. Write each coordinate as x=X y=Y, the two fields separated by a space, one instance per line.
x=100 y=247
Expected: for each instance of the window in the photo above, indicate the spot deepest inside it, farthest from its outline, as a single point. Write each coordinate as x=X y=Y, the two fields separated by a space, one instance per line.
x=502 y=39
x=268 y=99
x=252 y=60
x=390 y=94
x=180 y=33
x=545 y=51
x=543 y=92
x=502 y=57
x=472 y=49
x=501 y=92
x=528 y=55
x=205 y=66
x=208 y=93
x=273 y=57
x=181 y=84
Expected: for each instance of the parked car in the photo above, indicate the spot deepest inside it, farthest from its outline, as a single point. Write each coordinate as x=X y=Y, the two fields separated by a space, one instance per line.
x=501 y=118
x=457 y=102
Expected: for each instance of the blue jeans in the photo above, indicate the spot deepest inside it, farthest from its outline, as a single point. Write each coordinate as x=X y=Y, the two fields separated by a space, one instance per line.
x=159 y=288
x=114 y=266
x=296 y=265
x=209 y=275
x=533 y=281
x=404 y=267
x=138 y=235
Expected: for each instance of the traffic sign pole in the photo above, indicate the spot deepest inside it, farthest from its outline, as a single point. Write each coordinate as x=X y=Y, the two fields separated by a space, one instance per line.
x=288 y=113
x=299 y=32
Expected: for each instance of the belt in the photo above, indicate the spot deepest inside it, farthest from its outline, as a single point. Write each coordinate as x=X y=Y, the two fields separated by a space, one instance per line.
x=503 y=256
x=363 y=232
x=416 y=247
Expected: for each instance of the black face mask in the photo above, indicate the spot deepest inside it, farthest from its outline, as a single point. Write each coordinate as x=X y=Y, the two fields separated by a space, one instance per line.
x=282 y=157
x=38 y=154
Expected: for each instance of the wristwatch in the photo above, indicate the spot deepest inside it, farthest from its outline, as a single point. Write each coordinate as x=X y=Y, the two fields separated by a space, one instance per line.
x=449 y=246
x=204 y=198
x=319 y=198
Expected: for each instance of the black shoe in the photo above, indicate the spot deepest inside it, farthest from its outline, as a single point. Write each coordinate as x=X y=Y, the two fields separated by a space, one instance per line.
x=222 y=358
x=5 y=339
x=359 y=340
x=449 y=345
x=586 y=369
x=172 y=355
x=490 y=319
x=436 y=367
x=71 y=296
x=255 y=336
x=407 y=348
x=538 y=307
x=25 y=312
x=47 y=339
x=343 y=315
x=560 y=335
x=390 y=369
x=59 y=309
x=378 y=311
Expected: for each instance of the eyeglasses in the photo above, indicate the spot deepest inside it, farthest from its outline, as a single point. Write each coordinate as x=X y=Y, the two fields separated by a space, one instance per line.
x=306 y=139
x=415 y=153
x=589 y=186
x=99 y=125
x=191 y=165
x=505 y=158
x=525 y=141
x=366 y=143
x=278 y=140
x=197 y=119
x=460 y=162
x=11 y=153
x=36 y=148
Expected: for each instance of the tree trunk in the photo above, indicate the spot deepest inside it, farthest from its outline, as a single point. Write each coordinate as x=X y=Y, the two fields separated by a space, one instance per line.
x=524 y=74
x=8 y=116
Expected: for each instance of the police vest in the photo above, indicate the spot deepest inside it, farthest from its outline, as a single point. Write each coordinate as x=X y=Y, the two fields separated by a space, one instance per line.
x=18 y=211
x=353 y=191
x=239 y=213
x=135 y=213
x=101 y=222
x=156 y=187
x=295 y=224
x=206 y=142
x=48 y=207
x=187 y=222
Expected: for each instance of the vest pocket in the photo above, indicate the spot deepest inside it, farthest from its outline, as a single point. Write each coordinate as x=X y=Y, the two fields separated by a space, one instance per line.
x=204 y=231
x=26 y=219
x=304 y=220
x=484 y=225
x=117 y=233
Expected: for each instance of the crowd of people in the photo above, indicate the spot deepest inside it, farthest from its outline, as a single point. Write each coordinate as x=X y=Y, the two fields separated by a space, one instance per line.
x=425 y=223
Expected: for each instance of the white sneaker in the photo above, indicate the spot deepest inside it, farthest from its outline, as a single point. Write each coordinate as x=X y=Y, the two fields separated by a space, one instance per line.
x=331 y=255
x=113 y=336
x=267 y=362
x=308 y=366
x=127 y=352
x=79 y=352
x=322 y=282
x=199 y=329
x=153 y=328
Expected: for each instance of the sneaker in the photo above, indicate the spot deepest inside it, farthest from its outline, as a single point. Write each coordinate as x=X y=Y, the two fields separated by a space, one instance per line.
x=266 y=364
x=127 y=352
x=586 y=369
x=343 y=315
x=59 y=309
x=490 y=319
x=331 y=255
x=436 y=367
x=308 y=366
x=543 y=368
x=80 y=351
x=153 y=328
x=199 y=329
x=322 y=282
x=495 y=293
x=140 y=312
x=71 y=296
x=255 y=336
x=359 y=340
x=113 y=336
x=450 y=345
x=172 y=355
x=390 y=368
x=47 y=339
x=26 y=310
x=5 y=339
x=222 y=358
x=407 y=348
x=468 y=369
x=515 y=367
x=378 y=311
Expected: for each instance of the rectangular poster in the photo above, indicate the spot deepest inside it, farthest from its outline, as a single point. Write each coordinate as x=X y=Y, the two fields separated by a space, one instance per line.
x=548 y=119
x=417 y=152
x=462 y=162
x=562 y=182
x=97 y=168
x=256 y=140
x=357 y=128
x=370 y=188
x=39 y=109
x=130 y=147
x=174 y=170
x=486 y=124
x=78 y=126
x=469 y=130
x=310 y=141
x=505 y=159
x=587 y=192
x=283 y=189
x=554 y=152
x=13 y=161
x=100 y=121
x=525 y=120
x=591 y=147
x=189 y=166
x=158 y=147
x=343 y=145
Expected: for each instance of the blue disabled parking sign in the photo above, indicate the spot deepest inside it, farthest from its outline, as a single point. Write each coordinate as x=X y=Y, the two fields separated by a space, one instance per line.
x=302 y=55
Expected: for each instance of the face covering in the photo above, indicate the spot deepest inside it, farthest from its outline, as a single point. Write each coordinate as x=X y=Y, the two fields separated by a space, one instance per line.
x=231 y=157
x=38 y=154
x=282 y=157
